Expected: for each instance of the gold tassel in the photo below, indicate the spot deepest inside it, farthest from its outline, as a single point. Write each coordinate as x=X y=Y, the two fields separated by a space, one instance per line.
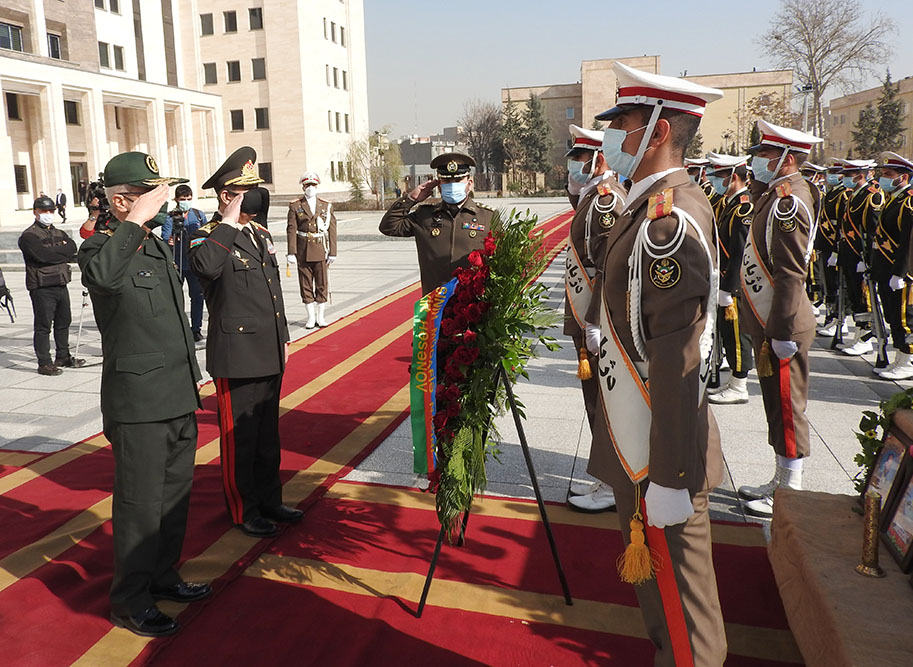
x=584 y=372
x=638 y=562
x=765 y=368
x=731 y=314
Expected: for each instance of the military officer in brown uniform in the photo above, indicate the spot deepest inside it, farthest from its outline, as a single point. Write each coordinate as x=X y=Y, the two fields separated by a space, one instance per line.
x=236 y=262
x=779 y=316
x=655 y=440
x=728 y=174
x=827 y=243
x=312 y=247
x=445 y=230
x=890 y=260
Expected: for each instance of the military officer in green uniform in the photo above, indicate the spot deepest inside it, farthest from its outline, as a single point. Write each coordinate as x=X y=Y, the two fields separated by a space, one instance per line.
x=445 y=230
x=148 y=393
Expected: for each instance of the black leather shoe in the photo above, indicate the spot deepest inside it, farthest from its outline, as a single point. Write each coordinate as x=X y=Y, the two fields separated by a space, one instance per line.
x=70 y=362
x=258 y=527
x=49 y=369
x=197 y=337
x=282 y=513
x=149 y=623
x=182 y=592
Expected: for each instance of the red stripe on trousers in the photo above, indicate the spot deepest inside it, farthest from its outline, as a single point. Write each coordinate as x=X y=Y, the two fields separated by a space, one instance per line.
x=227 y=442
x=786 y=409
x=668 y=592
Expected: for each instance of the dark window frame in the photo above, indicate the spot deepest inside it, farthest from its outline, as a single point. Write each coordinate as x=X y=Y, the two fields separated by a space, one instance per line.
x=106 y=61
x=21 y=176
x=115 y=49
x=52 y=38
x=214 y=70
x=206 y=22
x=230 y=21
x=261 y=118
x=13 y=112
x=71 y=112
x=265 y=171
x=253 y=69
x=255 y=12
x=228 y=70
x=12 y=30
x=236 y=121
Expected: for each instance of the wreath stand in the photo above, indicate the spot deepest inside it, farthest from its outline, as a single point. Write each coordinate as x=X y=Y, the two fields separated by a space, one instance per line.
x=499 y=377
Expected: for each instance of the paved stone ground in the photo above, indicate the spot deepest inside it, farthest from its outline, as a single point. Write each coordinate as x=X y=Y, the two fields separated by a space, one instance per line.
x=44 y=414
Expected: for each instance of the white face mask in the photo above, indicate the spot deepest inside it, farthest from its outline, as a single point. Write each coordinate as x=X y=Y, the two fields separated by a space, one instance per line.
x=46 y=219
x=310 y=191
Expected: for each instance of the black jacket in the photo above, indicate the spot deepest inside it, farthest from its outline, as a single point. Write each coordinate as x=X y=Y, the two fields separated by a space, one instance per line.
x=247 y=326
x=47 y=251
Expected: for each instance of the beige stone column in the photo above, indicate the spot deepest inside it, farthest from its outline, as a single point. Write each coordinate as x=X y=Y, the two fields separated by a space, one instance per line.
x=158 y=136
x=8 y=198
x=97 y=151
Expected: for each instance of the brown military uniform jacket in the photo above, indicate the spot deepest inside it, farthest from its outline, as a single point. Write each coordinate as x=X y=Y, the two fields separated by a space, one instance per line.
x=444 y=234
x=597 y=210
x=791 y=313
x=313 y=247
x=684 y=438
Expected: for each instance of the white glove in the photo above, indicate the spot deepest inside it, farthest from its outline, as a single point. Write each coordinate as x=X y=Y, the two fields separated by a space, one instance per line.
x=725 y=298
x=832 y=260
x=593 y=336
x=331 y=259
x=784 y=349
x=667 y=507
x=860 y=267
x=291 y=259
x=896 y=283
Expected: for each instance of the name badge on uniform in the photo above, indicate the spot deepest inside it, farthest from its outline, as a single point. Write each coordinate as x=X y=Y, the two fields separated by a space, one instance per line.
x=270 y=248
x=144 y=273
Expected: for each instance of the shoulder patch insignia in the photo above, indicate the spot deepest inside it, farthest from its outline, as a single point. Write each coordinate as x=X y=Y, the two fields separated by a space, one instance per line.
x=660 y=205
x=209 y=226
x=603 y=189
x=788 y=225
x=873 y=188
x=745 y=199
x=665 y=273
x=785 y=189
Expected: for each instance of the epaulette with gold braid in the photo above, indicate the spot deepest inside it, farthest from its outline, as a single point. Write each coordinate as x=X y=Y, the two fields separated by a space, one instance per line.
x=258 y=225
x=209 y=226
x=106 y=232
x=660 y=205
x=481 y=205
x=785 y=189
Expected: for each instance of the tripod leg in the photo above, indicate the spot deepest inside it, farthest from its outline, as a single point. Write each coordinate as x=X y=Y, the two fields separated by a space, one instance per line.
x=431 y=568
x=532 y=476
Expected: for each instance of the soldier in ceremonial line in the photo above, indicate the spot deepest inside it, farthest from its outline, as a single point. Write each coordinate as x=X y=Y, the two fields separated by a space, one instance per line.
x=814 y=282
x=779 y=316
x=863 y=209
x=598 y=200
x=655 y=441
x=814 y=174
x=891 y=261
x=827 y=243
x=246 y=346
x=312 y=247
x=446 y=230
x=728 y=175
x=148 y=393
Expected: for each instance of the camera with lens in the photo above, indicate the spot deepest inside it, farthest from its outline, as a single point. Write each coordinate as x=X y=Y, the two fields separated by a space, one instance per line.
x=101 y=208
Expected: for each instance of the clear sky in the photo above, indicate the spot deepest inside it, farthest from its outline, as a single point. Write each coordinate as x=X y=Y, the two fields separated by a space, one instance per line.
x=427 y=59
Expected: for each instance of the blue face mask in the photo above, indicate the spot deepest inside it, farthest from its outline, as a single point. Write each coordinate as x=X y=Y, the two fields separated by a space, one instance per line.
x=717 y=183
x=760 y=169
x=833 y=180
x=575 y=170
x=184 y=204
x=620 y=162
x=849 y=183
x=888 y=184
x=453 y=192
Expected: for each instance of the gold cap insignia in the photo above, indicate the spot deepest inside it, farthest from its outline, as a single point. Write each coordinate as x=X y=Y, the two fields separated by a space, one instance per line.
x=436 y=231
x=452 y=166
x=607 y=220
x=665 y=273
x=472 y=233
x=248 y=176
x=151 y=165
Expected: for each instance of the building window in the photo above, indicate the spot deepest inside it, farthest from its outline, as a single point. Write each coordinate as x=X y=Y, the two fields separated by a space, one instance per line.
x=206 y=24
x=262 y=116
x=54 y=46
x=71 y=112
x=333 y=32
x=231 y=21
x=116 y=118
x=324 y=28
x=338 y=124
x=10 y=37
x=22 y=179
x=342 y=35
x=237 y=119
x=114 y=6
x=258 y=67
x=209 y=73
x=234 y=70
x=119 y=58
x=330 y=120
x=332 y=171
x=329 y=83
x=569 y=113
x=345 y=80
x=335 y=77
x=12 y=107
x=266 y=171
x=103 y=58
x=255 y=14
x=100 y=4
x=347 y=123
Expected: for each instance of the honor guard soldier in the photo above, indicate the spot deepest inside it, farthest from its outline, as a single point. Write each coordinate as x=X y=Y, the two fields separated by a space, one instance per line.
x=235 y=258
x=445 y=230
x=655 y=441
x=312 y=247
x=779 y=316
x=728 y=175
x=598 y=200
x=827 y=243
x=814 y=174
x=863 y=209
x=891 y=260
x=814 y=282
x=148 y=393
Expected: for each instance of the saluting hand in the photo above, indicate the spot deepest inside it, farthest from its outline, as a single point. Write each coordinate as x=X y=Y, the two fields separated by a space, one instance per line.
x=147 y=205
x=423 y=191
x=233 y=211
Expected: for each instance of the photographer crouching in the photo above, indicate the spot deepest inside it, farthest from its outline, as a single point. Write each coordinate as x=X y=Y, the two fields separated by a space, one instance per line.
x=177 y=229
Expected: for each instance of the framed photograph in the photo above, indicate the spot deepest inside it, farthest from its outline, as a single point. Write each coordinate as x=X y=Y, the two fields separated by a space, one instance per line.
x=890 y=463
x=898 y=535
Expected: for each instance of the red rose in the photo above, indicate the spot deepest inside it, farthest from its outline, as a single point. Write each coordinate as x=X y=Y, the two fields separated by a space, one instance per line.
x=469 y=336
x=484 y=306
x=452 y=392
x=440 y=420
x=475 y=258
x=489 y=247
x=454 y=374
x=448 y=326
x=474 y=312
x=464 y=278
x=460 y=322
x=453 y=409
x=465 y=355
x=464 y=296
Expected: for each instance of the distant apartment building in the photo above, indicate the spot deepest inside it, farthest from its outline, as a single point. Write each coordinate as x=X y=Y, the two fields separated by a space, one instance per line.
x=292 y=78
x=843 y=114
x=83 y=81
x=578 y=103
